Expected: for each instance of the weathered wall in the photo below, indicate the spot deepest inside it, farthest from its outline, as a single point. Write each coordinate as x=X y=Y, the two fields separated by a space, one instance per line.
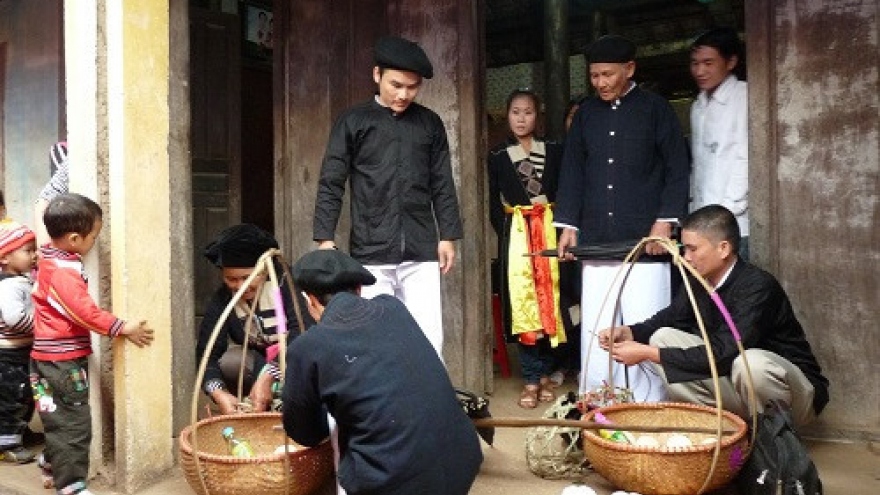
x=314 y=85
x=815 y=108
x=129 y=118
x=33 y=114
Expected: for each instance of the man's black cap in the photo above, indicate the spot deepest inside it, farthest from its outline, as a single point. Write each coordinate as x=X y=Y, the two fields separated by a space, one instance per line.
x=611 y=49
x=239 y=246
x=393 y=52
x=325 y=271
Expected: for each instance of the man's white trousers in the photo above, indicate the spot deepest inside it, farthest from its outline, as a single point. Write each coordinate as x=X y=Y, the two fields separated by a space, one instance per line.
x=417 y=285
x=646 y=291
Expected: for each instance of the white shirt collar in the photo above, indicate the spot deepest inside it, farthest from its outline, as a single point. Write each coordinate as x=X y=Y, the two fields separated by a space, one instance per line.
x=726 y=274
x=722 y=92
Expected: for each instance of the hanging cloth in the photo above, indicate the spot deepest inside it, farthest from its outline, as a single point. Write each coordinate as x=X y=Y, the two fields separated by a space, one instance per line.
x=533 y=281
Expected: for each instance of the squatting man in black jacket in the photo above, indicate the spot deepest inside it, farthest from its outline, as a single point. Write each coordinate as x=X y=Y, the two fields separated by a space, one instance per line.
x=400 y=427
x=782 y=364
x=404 y=209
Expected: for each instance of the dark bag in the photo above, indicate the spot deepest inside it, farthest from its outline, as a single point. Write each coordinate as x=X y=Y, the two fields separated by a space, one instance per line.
x=476 y=407
x=779 y=463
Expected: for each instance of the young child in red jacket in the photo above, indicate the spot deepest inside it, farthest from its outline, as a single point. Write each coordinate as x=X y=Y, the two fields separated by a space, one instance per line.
x=65 y=315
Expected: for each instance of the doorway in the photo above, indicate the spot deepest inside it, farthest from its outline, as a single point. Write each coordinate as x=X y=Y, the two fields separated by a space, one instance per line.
x=232 y=138
x=662 y=29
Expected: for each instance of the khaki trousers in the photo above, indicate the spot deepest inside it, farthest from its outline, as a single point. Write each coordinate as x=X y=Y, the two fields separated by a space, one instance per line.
x=773 y=376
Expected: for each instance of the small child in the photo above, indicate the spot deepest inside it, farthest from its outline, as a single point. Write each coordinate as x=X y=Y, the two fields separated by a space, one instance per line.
x=65 y=315
x=18 y=257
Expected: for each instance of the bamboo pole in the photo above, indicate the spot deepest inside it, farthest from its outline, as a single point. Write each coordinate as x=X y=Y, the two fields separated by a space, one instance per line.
x=591 y=425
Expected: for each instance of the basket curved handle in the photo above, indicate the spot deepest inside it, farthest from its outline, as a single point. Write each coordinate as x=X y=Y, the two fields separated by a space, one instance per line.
x=624 y=271
x=683 y=265
x=263 y=264
x=672 y=248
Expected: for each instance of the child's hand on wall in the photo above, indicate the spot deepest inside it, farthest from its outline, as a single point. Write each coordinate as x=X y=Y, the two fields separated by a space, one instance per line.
x=138 y=333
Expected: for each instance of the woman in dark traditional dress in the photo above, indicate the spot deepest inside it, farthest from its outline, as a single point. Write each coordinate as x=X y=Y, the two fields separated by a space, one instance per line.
x=523 y=176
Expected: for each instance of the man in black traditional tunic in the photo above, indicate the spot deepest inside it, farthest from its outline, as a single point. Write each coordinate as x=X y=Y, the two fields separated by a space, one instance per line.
x=624 y=176
x=404 y=210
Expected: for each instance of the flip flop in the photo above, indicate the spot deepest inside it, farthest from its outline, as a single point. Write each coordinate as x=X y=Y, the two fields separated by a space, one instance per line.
x=528 y=398
x=545 y=391
x=545 y=394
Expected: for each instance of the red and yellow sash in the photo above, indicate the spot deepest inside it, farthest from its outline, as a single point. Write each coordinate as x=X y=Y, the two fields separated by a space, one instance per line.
x=533 y=281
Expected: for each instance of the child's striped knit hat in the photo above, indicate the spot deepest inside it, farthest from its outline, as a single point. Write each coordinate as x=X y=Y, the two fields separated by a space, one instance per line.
x=14 y=235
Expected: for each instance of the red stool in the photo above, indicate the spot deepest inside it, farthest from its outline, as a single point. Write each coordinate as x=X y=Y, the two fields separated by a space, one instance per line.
x=499 y=353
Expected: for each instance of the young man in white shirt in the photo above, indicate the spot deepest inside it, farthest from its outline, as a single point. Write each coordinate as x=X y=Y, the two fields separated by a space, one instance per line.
x=720 y=128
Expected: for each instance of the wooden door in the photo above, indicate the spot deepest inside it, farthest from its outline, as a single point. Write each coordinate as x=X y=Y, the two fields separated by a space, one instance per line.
x=215 y=81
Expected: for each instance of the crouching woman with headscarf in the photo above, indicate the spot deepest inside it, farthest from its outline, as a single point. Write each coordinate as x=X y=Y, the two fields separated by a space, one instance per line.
x=236 y=251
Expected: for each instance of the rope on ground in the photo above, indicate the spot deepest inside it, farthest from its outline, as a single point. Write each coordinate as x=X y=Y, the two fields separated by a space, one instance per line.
x=555 y=452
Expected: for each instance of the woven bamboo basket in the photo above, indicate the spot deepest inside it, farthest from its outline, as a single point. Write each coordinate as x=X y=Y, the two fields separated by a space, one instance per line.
x=667 y=470
x=299 y=472
x=691 y=470
x=204 y=455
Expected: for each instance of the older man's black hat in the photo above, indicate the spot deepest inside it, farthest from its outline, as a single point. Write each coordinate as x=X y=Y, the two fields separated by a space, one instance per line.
x=611 y=49
x=324 y=271
x=393 y=52
x=239 y=246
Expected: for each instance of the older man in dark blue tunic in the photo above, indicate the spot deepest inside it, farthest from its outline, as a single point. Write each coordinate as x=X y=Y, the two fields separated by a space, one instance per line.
x=401 y=428
x=624 y=176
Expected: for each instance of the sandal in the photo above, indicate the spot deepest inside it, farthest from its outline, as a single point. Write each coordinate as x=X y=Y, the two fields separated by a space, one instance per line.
x=545 y=391
x=528 y=398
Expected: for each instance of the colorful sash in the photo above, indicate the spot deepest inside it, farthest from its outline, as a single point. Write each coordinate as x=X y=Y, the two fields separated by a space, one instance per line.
x=533 y=281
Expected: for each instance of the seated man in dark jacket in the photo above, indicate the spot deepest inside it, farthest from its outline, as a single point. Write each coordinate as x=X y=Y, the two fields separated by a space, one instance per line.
x=782 y=364
x=236 y=251
x=366 y=362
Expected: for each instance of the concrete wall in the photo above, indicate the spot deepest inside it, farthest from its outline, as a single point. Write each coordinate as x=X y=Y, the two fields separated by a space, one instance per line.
x=33 y=118
x=815 y=185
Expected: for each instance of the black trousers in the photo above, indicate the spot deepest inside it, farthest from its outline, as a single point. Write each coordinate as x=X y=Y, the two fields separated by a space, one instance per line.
x=16 y=403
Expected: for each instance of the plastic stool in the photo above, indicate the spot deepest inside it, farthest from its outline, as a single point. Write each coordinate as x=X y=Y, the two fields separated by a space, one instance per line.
x=499 y=354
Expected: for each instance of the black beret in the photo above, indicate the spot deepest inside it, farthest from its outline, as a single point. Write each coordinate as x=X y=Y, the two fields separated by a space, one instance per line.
x=611 y=49
x=393 y=52
x=239 y=246
x=324 y=271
